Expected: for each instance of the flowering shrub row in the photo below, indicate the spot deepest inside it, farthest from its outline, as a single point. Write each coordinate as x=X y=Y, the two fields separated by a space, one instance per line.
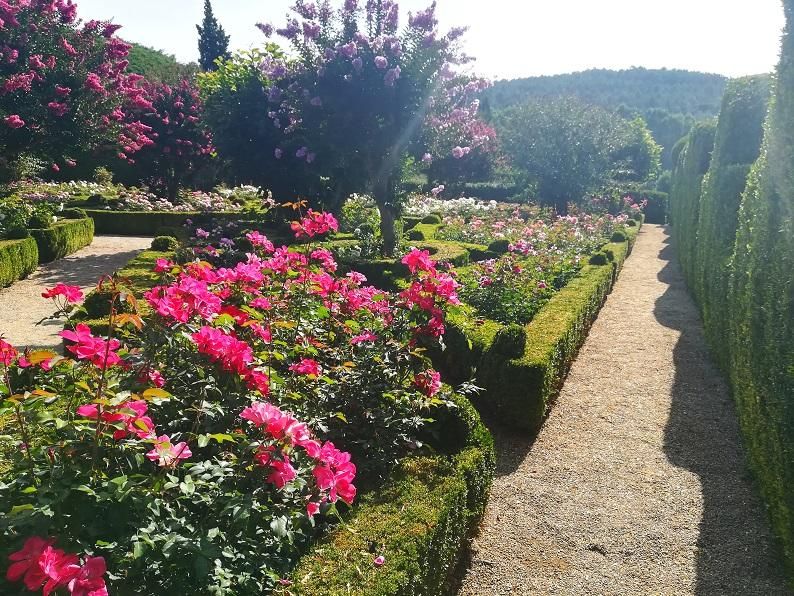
x=210 y=442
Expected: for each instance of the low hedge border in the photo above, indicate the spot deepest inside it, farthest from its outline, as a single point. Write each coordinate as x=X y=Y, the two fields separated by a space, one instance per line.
x=18 y=259
x=519 y=389
x=63 y=238
x=419 y=522
x=149 y=223
x=139 y=276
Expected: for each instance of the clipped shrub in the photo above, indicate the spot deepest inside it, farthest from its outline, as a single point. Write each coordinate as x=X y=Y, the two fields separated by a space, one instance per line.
x=409 y=222
x=63 y=238
x=510 y=341
x=598 y=259
x=619 y=236
x=18 y=259
x=610 y=254
x=73 y=213
x=499 y=246
x=631 y=223
x=165 y=243
x=98 y=302
x=433 y=218
x=658 y=204
x=415 y=235
x=40 y=221
x=18 y=233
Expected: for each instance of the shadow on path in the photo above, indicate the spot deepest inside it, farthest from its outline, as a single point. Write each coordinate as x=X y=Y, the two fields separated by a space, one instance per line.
x=83 y=271
x=736 y=554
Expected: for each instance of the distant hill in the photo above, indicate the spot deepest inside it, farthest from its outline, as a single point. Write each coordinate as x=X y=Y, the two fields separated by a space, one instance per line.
x=675 y=91
x=156 y=65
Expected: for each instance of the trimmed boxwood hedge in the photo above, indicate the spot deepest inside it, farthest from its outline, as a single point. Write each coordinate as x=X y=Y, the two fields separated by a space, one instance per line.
x=419 y=521
x=519 y=390
x=63 y=238
x=148 y=223
x=139 y=276
x=18 y=259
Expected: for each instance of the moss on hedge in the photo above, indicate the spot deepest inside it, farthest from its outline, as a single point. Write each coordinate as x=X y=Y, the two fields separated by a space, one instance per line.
x=419 y=522
x=63 y=238
x=18 y=259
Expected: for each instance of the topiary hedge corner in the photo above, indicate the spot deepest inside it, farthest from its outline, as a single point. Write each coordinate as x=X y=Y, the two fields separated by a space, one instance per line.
x=519 y=389
x=419 y=522
x=18 y=259
x=63 y=238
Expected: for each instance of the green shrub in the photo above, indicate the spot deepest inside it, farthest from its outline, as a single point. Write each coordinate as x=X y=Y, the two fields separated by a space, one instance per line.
x=598 y=259
x=657 y=207
x=631 y=223
x=410 y=222
x=499 y=246
x=40 y=221
x=18 y=233
x=165 y=243
x=415 y=235
x=63 y=238
x=433 y=218
x=510 y=342
x=97 y=304
x=18 y=259
x=618 y=236
x=149 y=223
x=73 y=213
x=423 y=231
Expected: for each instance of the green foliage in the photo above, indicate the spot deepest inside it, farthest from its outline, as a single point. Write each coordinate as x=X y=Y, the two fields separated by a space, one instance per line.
x=499 y=246
x=618 y=236
x=73 y=213
x=657 y=204
x=675 y=91
x=40 y=220
x=433 y=218
x=694 y=157
x=165 y=243
x=736 y=147
x=18 y=259
x=157 y=66
x=63 y=238
x=213 y=42
x=563 y=148
x=148 y=223
x=599 y=259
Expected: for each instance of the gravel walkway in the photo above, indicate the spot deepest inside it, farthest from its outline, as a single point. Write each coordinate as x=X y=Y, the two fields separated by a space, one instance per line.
x=21 y=304
x=637 y=483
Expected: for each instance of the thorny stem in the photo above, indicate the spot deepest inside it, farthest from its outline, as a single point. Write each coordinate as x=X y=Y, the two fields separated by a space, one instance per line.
x=102 y=378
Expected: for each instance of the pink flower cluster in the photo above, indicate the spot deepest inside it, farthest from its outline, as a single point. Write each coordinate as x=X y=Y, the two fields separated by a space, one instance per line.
x=43 y=567
x=315 y=224
x=86 y=346
x=429 y=291
x=333 y=471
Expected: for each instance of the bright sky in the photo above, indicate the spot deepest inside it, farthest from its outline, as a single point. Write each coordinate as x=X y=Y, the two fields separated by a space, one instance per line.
x=515 y=38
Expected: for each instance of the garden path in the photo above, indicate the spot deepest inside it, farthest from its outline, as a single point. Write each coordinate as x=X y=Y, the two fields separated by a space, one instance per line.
x=637 y=483
x=21 y=304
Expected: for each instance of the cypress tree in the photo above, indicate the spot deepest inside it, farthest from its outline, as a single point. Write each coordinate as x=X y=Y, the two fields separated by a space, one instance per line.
x=213 y=42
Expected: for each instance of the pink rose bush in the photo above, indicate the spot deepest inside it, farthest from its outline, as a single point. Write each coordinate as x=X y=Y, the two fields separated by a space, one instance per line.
x=210 y=441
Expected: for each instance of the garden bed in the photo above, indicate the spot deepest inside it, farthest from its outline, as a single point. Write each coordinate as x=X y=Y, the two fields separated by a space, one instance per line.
x=522 y=368
x=63 y=238
x=18 y=259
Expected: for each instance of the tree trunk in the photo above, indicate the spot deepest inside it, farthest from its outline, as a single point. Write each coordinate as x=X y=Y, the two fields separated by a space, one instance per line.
x=387 y=229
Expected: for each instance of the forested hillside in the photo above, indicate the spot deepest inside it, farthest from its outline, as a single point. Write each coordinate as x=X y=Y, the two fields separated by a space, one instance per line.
x=676 y=91
x=156 y=65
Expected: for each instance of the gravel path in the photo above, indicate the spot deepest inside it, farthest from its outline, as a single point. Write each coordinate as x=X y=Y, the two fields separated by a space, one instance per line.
x=21 y=304
x=637 y=483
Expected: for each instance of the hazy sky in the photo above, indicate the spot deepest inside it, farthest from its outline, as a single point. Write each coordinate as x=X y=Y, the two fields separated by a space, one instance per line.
x=513 y=38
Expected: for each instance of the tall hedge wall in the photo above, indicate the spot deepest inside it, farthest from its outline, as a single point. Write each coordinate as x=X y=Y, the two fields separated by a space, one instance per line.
x=740 y=265
x=18 y=259
x=694 y=157
x=737 y=145
x=762 y=305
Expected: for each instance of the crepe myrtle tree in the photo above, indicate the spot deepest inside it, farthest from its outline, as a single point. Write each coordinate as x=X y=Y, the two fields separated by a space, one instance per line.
x=64 y=89
x=361 y=96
